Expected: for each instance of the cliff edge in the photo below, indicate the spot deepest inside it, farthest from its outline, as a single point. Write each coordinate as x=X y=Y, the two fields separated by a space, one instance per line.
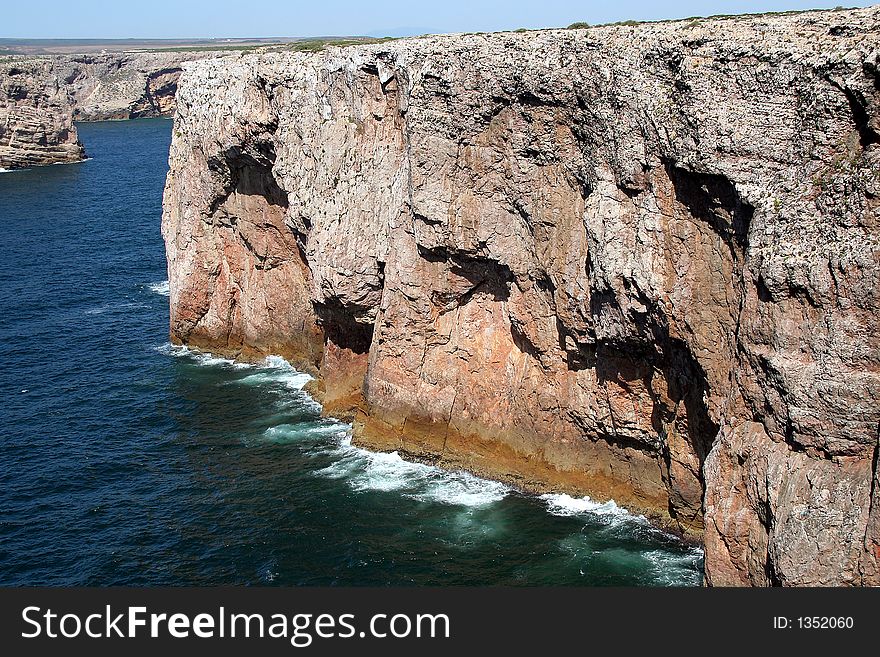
x=635 y=262
x=36 y=126
x=41 y=97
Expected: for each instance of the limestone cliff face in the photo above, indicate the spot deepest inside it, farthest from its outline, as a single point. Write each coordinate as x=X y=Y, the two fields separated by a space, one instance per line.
x=123 y=85
x=40 y=97
x=35 y=123
x=632 y=262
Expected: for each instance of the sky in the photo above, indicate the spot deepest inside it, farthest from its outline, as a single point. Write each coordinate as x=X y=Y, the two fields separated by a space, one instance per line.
x=174 y=19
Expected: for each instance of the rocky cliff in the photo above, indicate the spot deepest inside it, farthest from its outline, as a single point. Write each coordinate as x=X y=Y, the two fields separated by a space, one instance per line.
x=124 y=85
x=36 y=126
x=635 y=262
x=40 y=97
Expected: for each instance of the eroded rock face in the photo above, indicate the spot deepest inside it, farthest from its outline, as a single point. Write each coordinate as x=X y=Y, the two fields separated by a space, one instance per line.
x=638 y=263
x=123 y=85
x=40 y=97
x=36 y=127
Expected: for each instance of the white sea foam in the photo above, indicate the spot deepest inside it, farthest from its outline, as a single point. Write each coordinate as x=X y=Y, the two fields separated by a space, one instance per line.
x=160 y=287
x=85 y=159
x=210 y=359
x=199 y=357
x=366 y=471
x=271 y=370
x=285 y=433
x=276 y=361
x=111 y=307
x=560 y=504
x=176 y=350
x=463 y=489
x=675 y=570
x=380 y=471
x=275 y=369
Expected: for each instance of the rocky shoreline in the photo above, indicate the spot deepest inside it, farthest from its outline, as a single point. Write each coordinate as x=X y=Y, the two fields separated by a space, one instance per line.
x=634 y=262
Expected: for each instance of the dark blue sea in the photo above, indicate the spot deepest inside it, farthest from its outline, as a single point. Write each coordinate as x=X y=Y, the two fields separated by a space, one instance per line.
x=124 y=461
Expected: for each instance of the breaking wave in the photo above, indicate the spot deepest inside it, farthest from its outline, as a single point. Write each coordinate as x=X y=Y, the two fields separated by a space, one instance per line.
x=364 y=470
x=160 y=287
x=295 y=432
x=272 y=370
x=560 y=504
x=361 y=469
x=284 y=375
x=199 y=357
x=474 y=513
x=675 y=570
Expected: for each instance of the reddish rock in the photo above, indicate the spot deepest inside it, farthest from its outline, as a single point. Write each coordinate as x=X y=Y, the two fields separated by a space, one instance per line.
x=638 y=263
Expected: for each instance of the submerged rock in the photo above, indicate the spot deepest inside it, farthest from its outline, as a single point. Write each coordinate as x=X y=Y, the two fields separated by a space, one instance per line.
x=633 y=262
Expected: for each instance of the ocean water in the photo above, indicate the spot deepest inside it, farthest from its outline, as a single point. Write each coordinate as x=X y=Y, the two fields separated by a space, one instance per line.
x=126 y=461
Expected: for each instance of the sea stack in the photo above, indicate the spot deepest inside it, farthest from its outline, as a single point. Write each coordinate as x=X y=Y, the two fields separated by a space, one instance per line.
x=633 y=262
x=36 y=119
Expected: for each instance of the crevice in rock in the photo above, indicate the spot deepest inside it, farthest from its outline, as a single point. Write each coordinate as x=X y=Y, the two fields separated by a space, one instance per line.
x=773 y=578
x=16 y=92
x=691 y=386
x=435 y=254
x=522 y=342
x=341 y=327
x=249 y=172
x=258 y=180
x=487 y=276
x=649 y=351
x=858 y=108
x=712 y=198
x=813 y=451
x=426 y=220
x=160 y=88
x=686 y=381
x=875 y=463
x=764 y=294
x=580 y=351
x=530 y=99
x=872 y=543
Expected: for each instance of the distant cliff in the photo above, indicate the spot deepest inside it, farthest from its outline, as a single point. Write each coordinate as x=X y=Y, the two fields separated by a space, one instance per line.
x=635 y=262
x=36 y=126
x=40 y=97
x=124 y=85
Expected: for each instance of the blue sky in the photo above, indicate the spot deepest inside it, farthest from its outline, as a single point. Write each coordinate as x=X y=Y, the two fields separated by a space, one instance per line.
x=266 y=18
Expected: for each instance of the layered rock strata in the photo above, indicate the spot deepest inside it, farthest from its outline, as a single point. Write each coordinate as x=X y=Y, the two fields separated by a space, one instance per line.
x=638 y=263
x=36 y=126
x=40 y=97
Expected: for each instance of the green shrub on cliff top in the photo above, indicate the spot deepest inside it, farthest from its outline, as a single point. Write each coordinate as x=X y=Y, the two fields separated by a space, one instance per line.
x=318 y=44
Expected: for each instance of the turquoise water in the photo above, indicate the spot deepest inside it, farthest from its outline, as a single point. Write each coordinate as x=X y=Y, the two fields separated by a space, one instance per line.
x=126 y=461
